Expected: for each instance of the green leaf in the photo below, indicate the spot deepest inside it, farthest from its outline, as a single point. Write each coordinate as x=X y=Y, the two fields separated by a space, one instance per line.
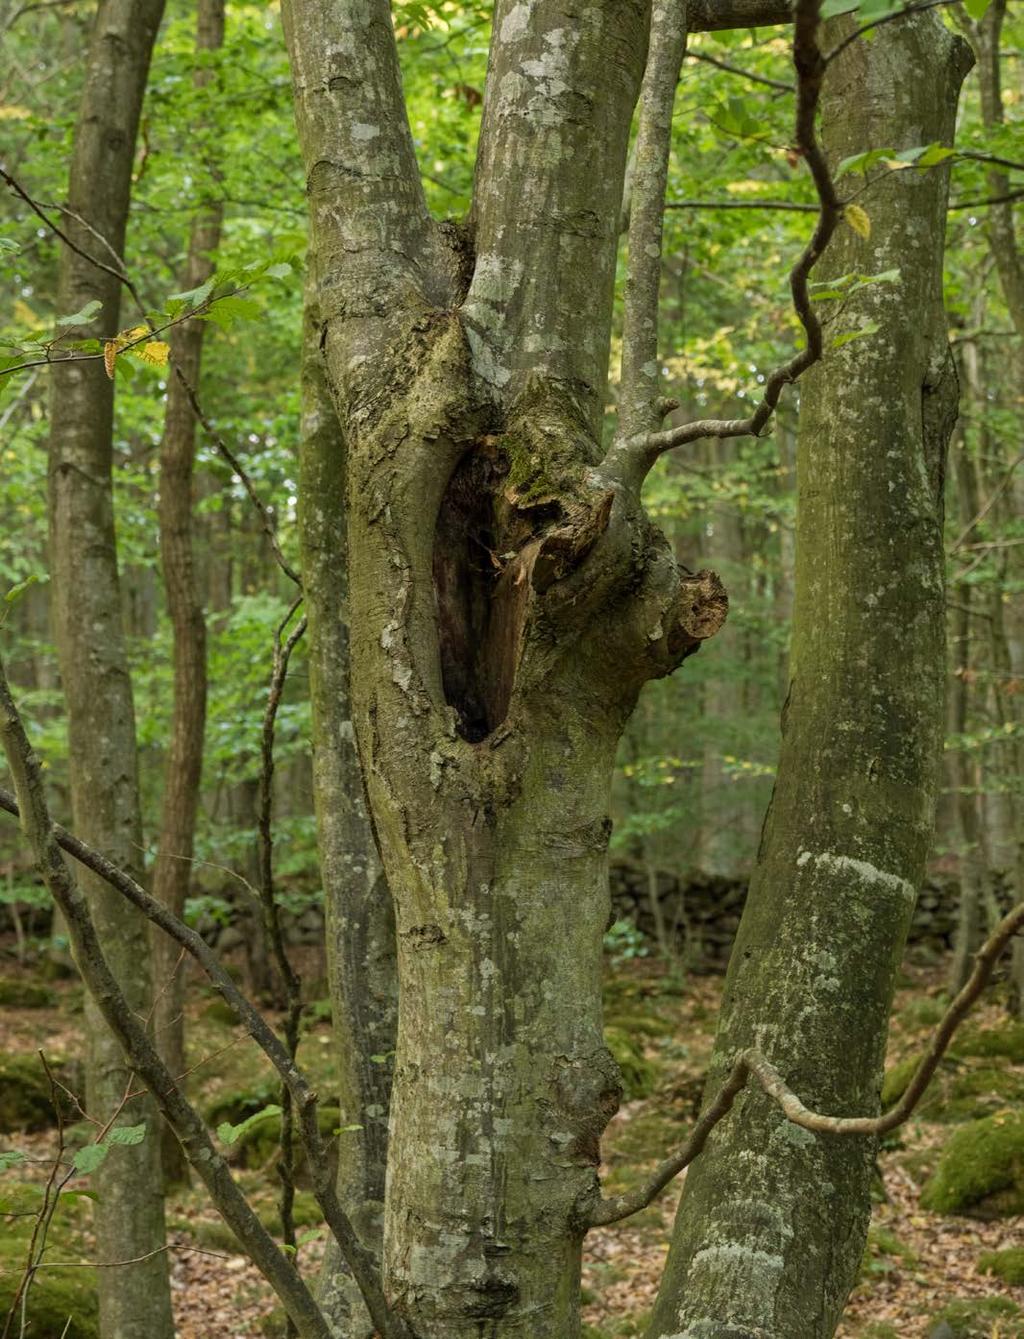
x=16 y=592
x=8 y=244
x=10 y=1157
x=848 y=336
x=226 y=312
x=82 y=317
x=346 y=1129
x=860 y=162
x=89 y=1158
x=831 y=8
x=230 y=1134
x=127 y=1134
x=977 y=8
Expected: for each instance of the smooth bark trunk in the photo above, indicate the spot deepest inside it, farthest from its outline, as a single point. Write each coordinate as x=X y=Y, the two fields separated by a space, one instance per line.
x=172 y=872
x=358 y=916
x=770 y=1231
x=129 y=1220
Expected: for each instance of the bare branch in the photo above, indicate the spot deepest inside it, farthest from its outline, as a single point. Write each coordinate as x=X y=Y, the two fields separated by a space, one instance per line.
x=752 y=1062
x=792 y=205
x=639 y=409
x=631 y=457
x=779 y=84
x=709 y=16
x=269 y=528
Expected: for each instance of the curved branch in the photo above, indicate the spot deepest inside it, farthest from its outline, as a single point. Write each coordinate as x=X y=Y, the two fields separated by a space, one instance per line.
x=630 y=458
x=639 y=408
x=753 y=1063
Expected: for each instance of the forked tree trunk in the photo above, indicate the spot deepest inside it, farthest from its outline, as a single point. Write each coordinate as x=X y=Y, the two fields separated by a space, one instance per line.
x=172 y=872
x=134 y=1299
x=771 y=1226
x=508 y=598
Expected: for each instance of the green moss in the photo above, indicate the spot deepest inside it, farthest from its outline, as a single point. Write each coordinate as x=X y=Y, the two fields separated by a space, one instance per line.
x=896 y=1081
x=219 y=1011
x=25 y=1102
x=56 y=1294
x=884 y=1251
x=1007 y=1265
x=257 y=1145
x=956 y=1093
x=16 y=994
x=638 y=1073
x=923 y=1012
x=237 y=1106
x=976 y=1317
x=981 y=1170
x=1004 y=1042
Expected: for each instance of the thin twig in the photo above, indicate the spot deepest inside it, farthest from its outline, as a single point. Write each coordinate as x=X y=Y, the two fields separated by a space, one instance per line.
x=778 y=84
x=269 y=528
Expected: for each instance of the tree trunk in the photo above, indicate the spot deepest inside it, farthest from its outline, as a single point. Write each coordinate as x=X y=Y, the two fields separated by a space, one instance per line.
x=508 y=598
x=135 y=1299
x=771 y=1227
x=172 y=873
x=359 y=919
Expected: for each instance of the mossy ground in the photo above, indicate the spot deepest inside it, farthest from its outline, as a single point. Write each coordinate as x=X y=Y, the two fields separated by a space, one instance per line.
x=916 y=1260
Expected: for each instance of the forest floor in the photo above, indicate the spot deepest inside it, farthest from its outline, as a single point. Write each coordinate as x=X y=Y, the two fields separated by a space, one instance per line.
x=915 y=1264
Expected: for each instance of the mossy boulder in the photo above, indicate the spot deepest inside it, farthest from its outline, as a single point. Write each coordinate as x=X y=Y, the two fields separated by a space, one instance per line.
x=638 y=1073
x=958 y=1091
x=61 y=1305
x=18 y=993
x=26 y=1102
x=1007 y=1265
x=977 y=1318
x=58 y=1296
x=981 y=1170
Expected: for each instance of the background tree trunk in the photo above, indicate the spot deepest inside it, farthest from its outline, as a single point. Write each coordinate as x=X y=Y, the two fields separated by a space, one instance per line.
x=135 y=1299
x=359 y=919
x=771 y=1227
x=172 y=872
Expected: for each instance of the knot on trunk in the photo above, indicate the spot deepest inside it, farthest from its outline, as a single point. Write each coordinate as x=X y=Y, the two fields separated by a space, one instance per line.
x=701 y=611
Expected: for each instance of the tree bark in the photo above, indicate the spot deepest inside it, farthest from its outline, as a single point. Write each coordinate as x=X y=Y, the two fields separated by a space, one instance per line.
x=172 y=872
x=135 y=1299
x=359 y=918
x=508 y=600
x=771 y=1227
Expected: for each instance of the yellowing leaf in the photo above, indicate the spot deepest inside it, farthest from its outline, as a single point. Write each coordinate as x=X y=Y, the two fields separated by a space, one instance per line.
x=858 y=220
x=109 y=356
x=154 y=351
x=24 y=314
